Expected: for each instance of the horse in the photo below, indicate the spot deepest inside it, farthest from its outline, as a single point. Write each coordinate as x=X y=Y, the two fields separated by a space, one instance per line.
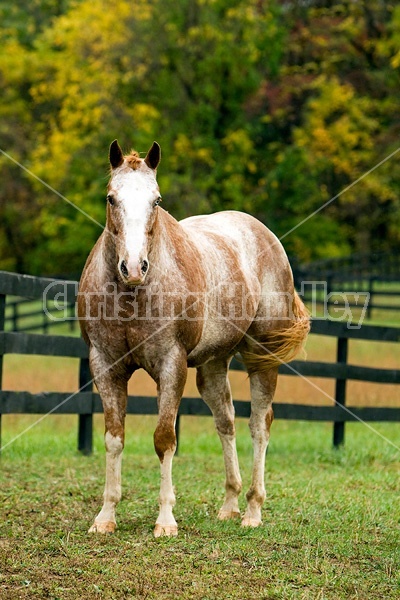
x=166 y=296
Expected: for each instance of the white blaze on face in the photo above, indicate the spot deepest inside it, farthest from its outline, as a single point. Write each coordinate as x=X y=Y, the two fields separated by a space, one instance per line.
x=135 y=192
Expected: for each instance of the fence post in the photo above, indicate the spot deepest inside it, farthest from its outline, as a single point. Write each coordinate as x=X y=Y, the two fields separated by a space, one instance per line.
x=85 y=428
x=340 y=392
x=15 y=316
x=71 y=315
x=329 y=290
x=45 y=321
x=370 y=301
x=2 y=321
x=177 y=432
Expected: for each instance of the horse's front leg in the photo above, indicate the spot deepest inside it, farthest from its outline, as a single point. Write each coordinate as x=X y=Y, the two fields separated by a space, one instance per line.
x=171 y=382
x=112 y=386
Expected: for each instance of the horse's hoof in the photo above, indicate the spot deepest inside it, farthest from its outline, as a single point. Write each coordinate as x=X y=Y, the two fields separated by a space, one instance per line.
x=225 y=515
x=248 y=522
x=165 y=530
x=105 y=527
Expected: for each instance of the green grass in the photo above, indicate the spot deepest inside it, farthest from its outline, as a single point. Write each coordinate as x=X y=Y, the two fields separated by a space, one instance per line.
x=331 y=520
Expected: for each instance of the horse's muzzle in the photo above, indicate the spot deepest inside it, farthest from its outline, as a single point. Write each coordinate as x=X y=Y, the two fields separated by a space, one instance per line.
x=133 y=273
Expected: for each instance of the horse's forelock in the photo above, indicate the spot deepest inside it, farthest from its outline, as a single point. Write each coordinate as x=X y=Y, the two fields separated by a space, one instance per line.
x=133 y=160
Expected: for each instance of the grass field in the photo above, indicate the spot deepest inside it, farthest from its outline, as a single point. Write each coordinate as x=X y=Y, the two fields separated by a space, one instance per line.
x=331 y=520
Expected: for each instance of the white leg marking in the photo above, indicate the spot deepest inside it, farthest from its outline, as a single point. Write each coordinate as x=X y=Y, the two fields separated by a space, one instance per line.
x=105 y=521
x=230 y=508
x=262 y=391
x=256 y=494
x=166 y=524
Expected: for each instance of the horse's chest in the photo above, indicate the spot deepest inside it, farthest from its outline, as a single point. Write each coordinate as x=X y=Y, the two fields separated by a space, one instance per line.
x=149 y=343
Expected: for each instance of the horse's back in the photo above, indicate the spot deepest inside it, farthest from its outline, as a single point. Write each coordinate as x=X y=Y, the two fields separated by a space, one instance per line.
x=235 y=242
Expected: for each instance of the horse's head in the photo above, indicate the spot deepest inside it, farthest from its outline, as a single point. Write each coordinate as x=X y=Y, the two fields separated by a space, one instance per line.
x=132 y=198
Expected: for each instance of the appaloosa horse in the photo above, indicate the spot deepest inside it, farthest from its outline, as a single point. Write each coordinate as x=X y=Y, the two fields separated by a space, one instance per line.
x=163 y=296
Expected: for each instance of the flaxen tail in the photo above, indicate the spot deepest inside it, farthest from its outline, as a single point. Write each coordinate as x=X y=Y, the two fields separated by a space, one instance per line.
x=282 y=345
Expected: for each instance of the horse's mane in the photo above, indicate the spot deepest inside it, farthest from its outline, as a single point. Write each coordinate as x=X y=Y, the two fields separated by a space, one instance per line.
x=133 y=159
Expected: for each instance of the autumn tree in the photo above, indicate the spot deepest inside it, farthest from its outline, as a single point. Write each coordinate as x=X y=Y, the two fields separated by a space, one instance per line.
x=268 y=107
x=329 y=118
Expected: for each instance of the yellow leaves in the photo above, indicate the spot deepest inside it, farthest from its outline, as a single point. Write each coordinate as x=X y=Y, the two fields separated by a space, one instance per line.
x=388 y=46
x=144 y=116
x=332 y=95
x=14 y=64
x=339 y=94
x=182 y=145
x=322 y=140
x=204 y=155
x=184 y=150
x=75 y=77
x=395 y=60
x=337 y=128
x=374 y=185
x=238 y=140
x=240 y=148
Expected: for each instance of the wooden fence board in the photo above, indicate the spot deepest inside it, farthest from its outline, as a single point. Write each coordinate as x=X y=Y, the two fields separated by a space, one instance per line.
x=85 y=403
x=15 y=284
x=332 y=371
x=43 y=345
x=46 y=402
x=366 y=332
x=340 y=371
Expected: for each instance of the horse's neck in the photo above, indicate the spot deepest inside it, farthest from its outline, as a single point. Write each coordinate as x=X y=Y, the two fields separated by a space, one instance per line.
x=176 y=257
x=168 y=237
x=108 y=255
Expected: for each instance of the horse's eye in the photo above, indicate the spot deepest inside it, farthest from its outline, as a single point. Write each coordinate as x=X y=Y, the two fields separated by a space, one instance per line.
x=157 y=202
x=110 y=199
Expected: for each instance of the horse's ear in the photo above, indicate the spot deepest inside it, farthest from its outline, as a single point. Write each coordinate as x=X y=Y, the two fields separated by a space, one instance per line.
x=153 y=156
x=116 y=156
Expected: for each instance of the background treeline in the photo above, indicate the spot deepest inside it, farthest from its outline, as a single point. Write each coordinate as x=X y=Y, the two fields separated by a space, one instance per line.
x=267 y=107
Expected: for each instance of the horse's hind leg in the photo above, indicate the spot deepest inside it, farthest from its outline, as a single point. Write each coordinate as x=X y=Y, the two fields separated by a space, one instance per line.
x=214 y=388
x=262 y=385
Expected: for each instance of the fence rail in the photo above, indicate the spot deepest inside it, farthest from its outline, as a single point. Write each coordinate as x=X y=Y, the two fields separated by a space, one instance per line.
x=383 y=266
x=376 y=274
x=37 y=317
x=85 y=402
x=345 y=293
x=341 y=283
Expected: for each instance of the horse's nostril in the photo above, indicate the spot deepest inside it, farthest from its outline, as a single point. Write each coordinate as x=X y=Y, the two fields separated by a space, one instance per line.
x=144 y=267
x=124 y=269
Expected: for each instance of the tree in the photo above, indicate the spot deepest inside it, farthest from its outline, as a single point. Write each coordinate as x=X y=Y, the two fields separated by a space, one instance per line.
x=271 y=108
x=328 y=118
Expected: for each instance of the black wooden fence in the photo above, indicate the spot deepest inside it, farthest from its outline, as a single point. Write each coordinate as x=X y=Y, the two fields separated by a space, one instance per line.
x=363 y=281
x=374 y=277
x=85 y=402
x=384 y=266
x=25 y=314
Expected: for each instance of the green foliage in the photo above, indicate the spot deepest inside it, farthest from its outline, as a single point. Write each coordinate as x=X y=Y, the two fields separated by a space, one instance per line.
x=271 y=108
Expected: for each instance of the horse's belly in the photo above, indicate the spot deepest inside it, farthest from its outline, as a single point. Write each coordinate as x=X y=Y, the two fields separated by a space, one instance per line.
x=219 y=338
